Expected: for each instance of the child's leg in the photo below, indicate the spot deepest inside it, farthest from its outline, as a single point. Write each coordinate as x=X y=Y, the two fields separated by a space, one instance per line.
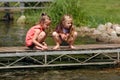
x=71 y=40
x=57 y=40
x=41 y=39
x=31 y=46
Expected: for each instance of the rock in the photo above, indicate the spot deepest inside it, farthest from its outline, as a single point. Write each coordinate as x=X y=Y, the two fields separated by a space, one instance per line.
x=101 y=28
x=95 y=34
x=111 y=32
x=21 y=20
x=107 y=33
x=104 y=37
x=116 y=27
x=108 y=25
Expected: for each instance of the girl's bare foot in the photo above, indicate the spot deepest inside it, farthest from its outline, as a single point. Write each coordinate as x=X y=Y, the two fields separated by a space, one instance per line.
x=72 y=47
x=56 y=47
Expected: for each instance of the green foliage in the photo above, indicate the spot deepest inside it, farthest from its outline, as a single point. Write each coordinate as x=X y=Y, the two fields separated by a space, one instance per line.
x=32 y=16
x=85 y=12
x=61 y=7
x=101 y=11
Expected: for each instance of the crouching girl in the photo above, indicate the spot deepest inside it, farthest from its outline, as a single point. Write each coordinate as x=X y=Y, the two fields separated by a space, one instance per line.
x=35 y=37
x=65 y=31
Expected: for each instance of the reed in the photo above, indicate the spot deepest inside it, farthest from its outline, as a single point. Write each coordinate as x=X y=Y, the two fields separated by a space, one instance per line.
x=60 y=7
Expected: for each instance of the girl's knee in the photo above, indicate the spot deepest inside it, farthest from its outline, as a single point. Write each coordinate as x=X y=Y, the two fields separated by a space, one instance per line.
x=43 y=34
x=75 y=33
x=54 y=34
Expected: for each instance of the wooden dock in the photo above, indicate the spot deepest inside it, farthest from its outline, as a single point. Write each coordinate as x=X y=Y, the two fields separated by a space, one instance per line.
x=92 y=54
x=20 y=4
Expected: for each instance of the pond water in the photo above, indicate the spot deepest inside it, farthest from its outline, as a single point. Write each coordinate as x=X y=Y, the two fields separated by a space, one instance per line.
x=61 y=74
x=11 y=34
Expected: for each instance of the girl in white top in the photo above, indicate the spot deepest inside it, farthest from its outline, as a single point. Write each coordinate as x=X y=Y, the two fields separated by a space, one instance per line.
x=65 y=31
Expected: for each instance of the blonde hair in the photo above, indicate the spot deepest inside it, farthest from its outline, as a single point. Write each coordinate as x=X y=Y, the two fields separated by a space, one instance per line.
x=61 y=25
x=66 y=18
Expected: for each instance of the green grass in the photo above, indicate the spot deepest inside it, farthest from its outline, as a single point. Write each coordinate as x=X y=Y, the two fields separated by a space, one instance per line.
x=102 y=11
x=57 y=9
x=85 y=12
x=61 y=7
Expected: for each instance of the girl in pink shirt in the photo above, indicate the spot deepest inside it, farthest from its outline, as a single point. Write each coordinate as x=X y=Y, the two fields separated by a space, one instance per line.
x=36 y=35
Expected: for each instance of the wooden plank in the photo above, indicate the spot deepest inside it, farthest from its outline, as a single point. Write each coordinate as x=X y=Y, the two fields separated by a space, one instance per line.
x=78 y=47
x=56 y=52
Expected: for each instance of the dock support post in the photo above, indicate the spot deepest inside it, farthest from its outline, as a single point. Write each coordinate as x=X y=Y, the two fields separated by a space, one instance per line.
x=118 y=58
x=22 y=18
x=22 y=6
x=7 y=16
x=45 y=59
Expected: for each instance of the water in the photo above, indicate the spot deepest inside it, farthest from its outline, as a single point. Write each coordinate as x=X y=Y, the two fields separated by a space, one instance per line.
x=12 y=34
x=61 y=74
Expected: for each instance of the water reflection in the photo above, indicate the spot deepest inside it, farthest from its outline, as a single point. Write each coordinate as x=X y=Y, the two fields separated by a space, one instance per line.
x=21 y=33
x=12 y=34
x=61 y=74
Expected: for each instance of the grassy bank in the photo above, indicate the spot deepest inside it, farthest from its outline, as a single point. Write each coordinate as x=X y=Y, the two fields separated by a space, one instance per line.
x=85 y=12
x=102 y=11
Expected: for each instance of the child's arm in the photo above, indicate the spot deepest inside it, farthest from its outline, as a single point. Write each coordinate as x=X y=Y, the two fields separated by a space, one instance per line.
x=44 y=43
x=64 y=36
